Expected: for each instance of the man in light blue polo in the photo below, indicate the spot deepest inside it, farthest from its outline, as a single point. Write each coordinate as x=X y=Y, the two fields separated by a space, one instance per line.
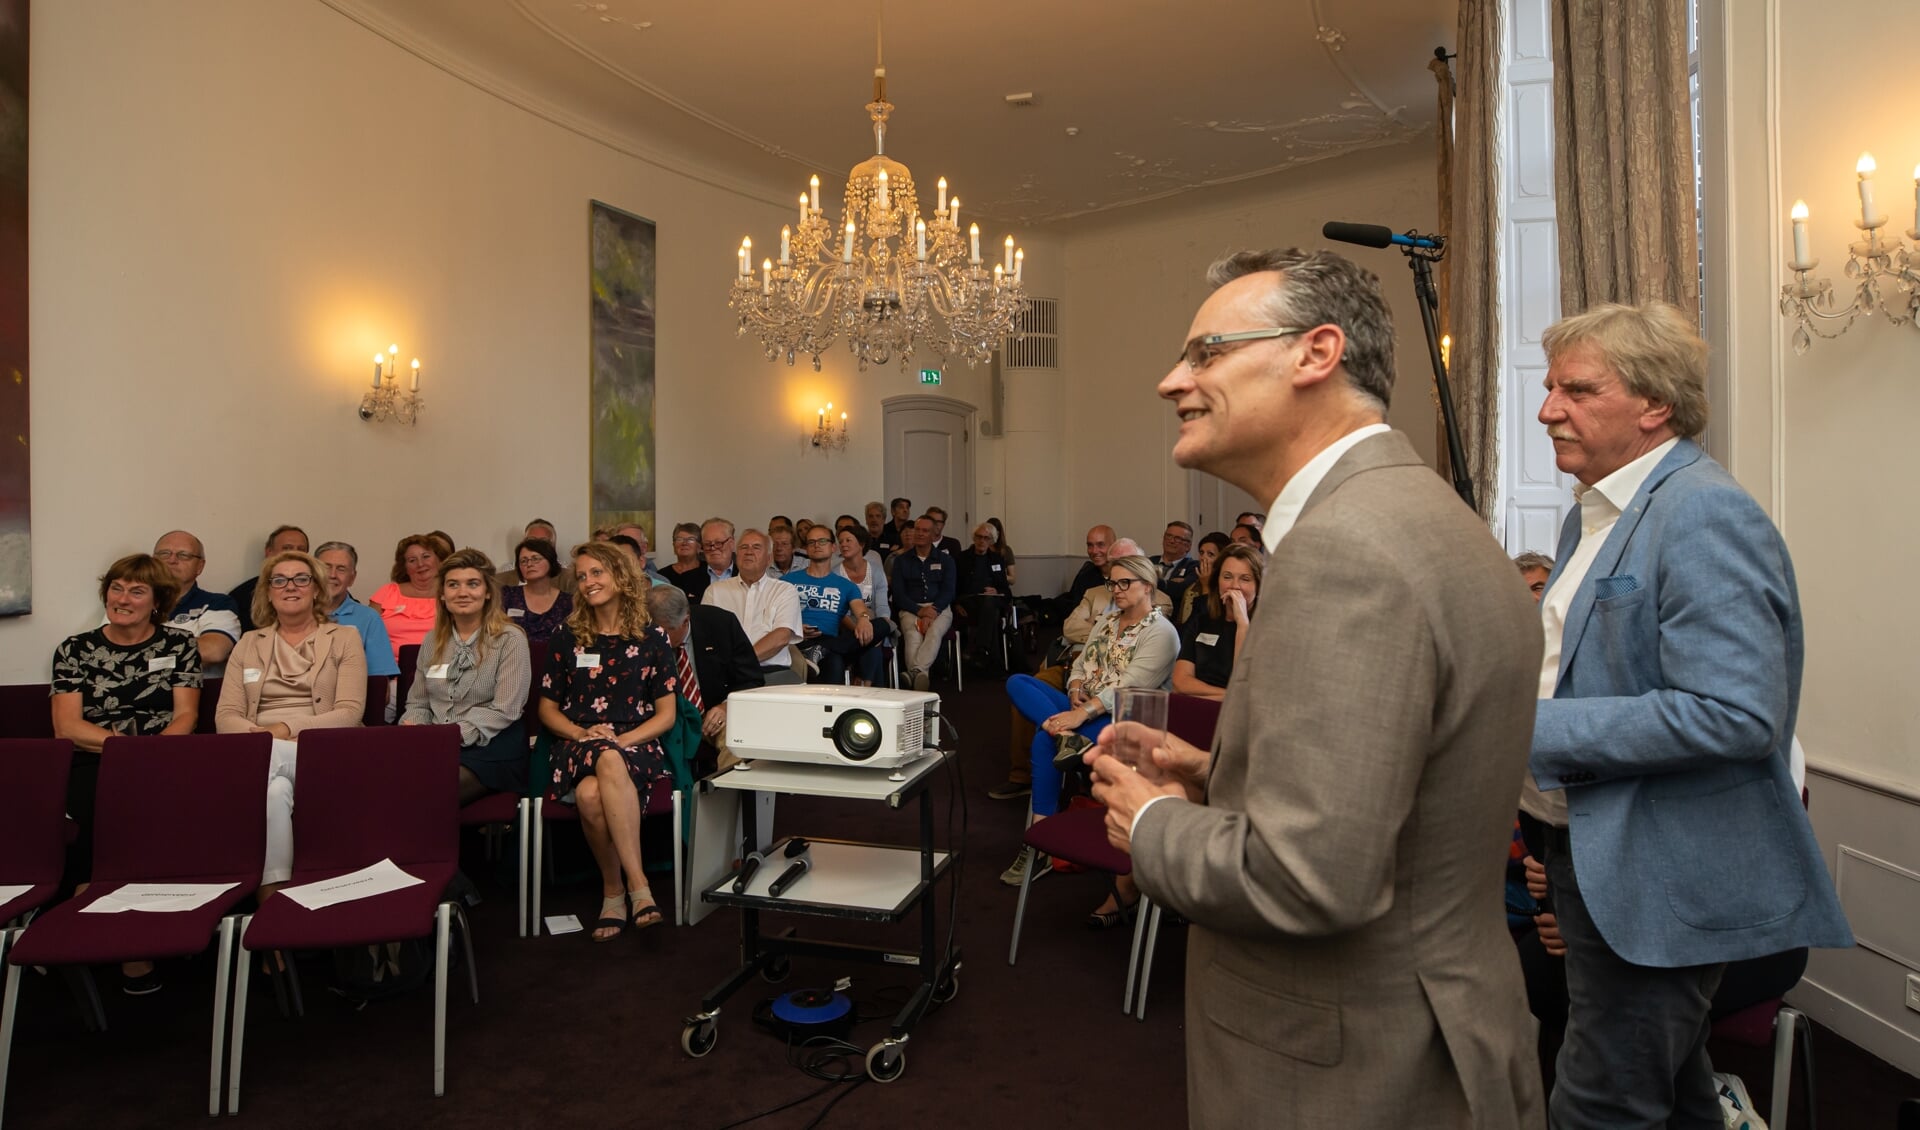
x=342 y=564
x=1676 y=840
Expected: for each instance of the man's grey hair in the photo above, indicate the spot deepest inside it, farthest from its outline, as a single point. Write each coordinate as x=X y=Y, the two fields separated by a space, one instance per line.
x=716 y=522
x=1531 y=560
x=353 y=554
x=1653 y=348
x=1320 y=288
x=667 y=605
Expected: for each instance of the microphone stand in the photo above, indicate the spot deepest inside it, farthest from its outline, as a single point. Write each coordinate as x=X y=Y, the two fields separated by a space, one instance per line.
x=1422 y=260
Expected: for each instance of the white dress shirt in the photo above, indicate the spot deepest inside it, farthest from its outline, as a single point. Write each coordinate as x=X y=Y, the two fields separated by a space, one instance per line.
x=1600 y=508
x=762 y=606
x=1285 y=511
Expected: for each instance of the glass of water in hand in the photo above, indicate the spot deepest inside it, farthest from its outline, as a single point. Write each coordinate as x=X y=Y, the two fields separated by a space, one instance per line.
x=1148 y=707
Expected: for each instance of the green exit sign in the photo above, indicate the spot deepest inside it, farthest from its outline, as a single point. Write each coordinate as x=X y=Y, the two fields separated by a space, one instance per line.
x=929 y=376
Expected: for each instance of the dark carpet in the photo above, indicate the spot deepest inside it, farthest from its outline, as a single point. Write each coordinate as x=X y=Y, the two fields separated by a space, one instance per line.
x=568 y=1033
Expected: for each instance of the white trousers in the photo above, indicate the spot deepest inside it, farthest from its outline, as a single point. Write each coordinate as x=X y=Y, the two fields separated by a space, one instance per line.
x=279 y=867
x=919 y=651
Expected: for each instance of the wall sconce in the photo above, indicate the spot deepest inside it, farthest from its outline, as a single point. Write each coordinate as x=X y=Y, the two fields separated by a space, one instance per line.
x=825 y=436
x=1875 y=261
x=386 y=401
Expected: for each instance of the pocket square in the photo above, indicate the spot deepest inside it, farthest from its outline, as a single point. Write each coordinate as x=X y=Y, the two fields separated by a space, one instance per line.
x=1606 y=588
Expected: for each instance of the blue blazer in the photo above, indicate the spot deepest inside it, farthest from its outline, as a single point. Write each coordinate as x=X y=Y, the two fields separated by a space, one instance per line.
x=1670 y=725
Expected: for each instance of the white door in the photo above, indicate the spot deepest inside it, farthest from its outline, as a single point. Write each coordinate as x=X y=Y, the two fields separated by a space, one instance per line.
x=929 y=456
x=1214 y=504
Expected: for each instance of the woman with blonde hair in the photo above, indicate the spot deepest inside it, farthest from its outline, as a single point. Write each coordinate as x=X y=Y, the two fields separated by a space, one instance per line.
x=1211 y=638
x=473 y=672
x=607 y=697
x=296 y=671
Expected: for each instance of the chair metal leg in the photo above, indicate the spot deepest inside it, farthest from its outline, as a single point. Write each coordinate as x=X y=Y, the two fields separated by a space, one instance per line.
x=466 y=943
x=679 y=859
x=534 y=920
x=953 y=646
x=1020 y=908
x=1140 y=917
x=8 y=1003
x=222 y=973
x=1146 y=965
x=521 y=890
x=1786 y=1025
x=442 y=925
x=243 y=976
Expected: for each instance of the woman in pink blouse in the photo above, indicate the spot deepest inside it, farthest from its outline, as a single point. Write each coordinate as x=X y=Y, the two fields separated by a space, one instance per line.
x=407 y=605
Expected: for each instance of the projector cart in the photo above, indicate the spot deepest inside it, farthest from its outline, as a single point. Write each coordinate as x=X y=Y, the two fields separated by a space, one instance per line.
x=858 y=881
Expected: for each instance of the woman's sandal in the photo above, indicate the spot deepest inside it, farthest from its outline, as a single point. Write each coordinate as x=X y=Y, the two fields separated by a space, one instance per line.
x=644 y=916
x=1107 y=920
x=613 y=916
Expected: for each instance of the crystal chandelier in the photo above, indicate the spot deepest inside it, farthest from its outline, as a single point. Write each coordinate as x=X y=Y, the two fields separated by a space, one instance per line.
x=888 y=281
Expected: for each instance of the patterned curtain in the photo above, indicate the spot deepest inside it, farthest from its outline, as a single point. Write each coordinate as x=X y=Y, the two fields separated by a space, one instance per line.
x=1623 y=154
x=1473 y=249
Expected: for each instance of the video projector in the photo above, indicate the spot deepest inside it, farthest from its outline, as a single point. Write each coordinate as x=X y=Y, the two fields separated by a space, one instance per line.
x=825 y=724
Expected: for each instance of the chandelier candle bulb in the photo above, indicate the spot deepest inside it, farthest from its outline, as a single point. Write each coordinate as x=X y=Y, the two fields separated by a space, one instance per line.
x=883 y=189
x=813 y=191
x=920 y=240
x=973 y=233
x=1865 y=167
x=846 y=250
x=1019 y=264
x=1800 y=260
x=766 y=278
x=943 y=194
x=1009 y=253
x=786 y=236
x=953 y=214
x=803 y=209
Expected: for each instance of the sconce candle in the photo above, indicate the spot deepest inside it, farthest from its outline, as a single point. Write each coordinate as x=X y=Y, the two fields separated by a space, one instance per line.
x=1868 y=217
x=1916 y=200
x=377 y=359
x=1801 y=261
x=416 y=375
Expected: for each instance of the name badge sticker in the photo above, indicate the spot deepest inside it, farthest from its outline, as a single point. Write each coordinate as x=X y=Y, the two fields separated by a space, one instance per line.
x=1207 y=639
x=399 y=609
x=935 y=566
x=159 y=663
x=437 y=671
x=250 y=675
x=995 y=568
x=516 y=613
x=585 y=659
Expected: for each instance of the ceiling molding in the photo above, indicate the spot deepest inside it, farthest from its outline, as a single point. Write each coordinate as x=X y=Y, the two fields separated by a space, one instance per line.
x=490 y=83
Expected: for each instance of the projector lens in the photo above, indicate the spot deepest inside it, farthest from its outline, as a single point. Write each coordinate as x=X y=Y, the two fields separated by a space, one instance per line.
x=857 y=735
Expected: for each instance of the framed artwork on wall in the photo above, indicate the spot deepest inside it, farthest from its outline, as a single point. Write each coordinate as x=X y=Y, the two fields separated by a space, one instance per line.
x=621 y=453
x=16 y=558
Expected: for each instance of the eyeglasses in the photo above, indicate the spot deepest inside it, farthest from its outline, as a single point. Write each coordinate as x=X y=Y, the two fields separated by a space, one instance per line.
x=176 y=555
x=1123 y=584
x=1203 y=351
x=300 y=582
x=712 y=545
x=686 y=539
x=819 y=541
x=526 y=561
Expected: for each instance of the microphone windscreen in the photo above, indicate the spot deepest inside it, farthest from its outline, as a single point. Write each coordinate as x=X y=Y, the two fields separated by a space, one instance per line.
x=1366 y=235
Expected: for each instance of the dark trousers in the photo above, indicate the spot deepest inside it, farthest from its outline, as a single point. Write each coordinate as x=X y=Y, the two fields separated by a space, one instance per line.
x=838 y=652
x=983 y=615
x=1635 y=1053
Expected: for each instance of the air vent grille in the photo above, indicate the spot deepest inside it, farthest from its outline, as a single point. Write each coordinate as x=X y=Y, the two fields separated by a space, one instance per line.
x=1040 y=348
x=911 y=731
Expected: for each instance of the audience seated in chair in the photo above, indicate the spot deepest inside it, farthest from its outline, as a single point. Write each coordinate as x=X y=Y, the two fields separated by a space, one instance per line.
x=688 y=570
x=1206 y=556
x=716 y=546
x=283 y=539
x=713 y=658
x=1210 y=639
x=607 y=696
x=295 y=672
x=782 y=543
x=1005 y=550
x=536 y=603
x=940 y=538
x=406 y=601
x=983 y=594
x=923 y=587
x=836 y=623
x=767 y=608
x=473 y=672
x=861 y=565
x=876 y=516
x=1177 y=570
x=342 y=563
x=1134 y=645
x=131 y=675
x=542 y=530
x=1244 y=534
x=209 y=617
x=892 y=538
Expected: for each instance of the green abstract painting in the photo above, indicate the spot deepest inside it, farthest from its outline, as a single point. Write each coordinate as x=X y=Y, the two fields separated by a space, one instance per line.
x=622 y=450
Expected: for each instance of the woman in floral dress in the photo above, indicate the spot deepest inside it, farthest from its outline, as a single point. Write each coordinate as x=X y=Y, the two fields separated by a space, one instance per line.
x=607 y=698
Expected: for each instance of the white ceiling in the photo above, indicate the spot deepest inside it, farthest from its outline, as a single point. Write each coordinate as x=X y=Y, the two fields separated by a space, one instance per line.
x=1133 y=100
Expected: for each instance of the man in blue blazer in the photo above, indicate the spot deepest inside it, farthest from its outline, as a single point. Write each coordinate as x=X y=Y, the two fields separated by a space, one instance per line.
x=1676 y=841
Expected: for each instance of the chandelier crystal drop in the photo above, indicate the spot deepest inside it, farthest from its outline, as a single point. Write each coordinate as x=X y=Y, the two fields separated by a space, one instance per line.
x=892 y=284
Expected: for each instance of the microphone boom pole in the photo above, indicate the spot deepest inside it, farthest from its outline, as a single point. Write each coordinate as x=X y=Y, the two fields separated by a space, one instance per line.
x=1422 y=253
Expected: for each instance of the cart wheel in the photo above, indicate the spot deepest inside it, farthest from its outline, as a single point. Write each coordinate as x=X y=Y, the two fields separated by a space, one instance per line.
x=947 y=989
x=777 y=970
x=885 y=1062
x=698 y=1038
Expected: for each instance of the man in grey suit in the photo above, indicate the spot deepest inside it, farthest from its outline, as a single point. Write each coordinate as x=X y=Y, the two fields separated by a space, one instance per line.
x=1676 y=840
x=1339 y=850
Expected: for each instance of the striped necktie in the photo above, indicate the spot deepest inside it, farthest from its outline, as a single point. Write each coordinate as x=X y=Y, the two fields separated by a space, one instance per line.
x=689 y=685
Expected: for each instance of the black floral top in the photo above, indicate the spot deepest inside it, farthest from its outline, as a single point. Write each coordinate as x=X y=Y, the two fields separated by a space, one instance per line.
x=617 y=681
x=128 y=690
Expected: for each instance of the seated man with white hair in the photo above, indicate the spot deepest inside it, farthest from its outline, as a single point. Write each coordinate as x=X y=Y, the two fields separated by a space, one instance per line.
x=766 y=606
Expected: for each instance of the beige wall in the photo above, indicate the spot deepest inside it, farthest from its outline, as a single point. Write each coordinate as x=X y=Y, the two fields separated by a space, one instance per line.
x=1134 y=282
x=1823 y=439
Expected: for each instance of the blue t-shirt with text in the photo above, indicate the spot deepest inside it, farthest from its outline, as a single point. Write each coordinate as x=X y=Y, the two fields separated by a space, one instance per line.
x=823 y=600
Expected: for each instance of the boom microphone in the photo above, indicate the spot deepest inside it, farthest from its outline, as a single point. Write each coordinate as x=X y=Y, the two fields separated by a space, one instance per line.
x=1378 y=235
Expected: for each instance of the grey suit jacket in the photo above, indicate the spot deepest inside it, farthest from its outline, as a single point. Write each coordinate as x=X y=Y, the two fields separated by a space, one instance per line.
x=1349 y=963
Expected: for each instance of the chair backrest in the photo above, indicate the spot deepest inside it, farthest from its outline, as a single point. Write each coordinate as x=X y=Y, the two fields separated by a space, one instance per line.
x=173 y=807
x=409 y=666
x=367 y=795
x=25 y=711
x=33 y=809
x=536 y=669
x=376 y=712
x=1193 y=719
x=209 y=706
